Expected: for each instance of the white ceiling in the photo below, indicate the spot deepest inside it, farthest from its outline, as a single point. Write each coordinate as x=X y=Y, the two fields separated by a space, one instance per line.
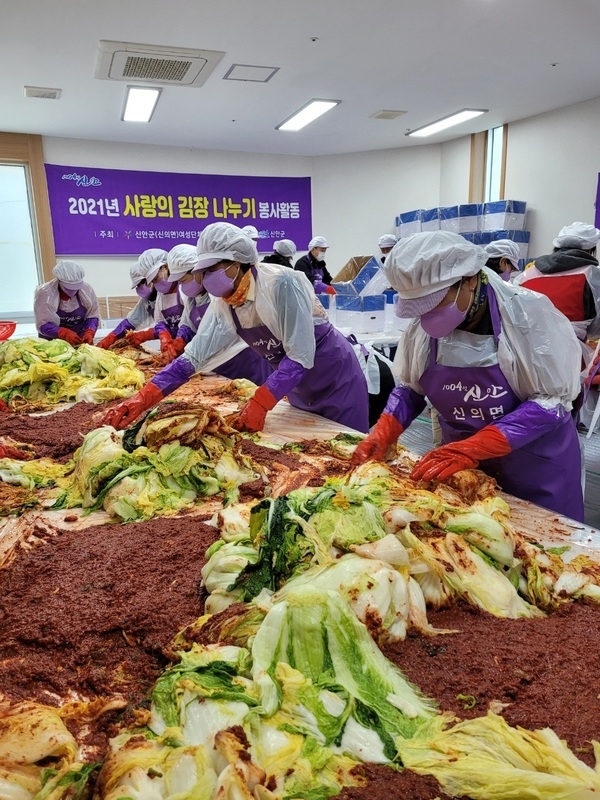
x=430 y=58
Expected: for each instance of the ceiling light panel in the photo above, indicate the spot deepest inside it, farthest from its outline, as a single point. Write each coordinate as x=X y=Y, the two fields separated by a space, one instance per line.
x=307 y=114
x=140 y=103
x=447 y=122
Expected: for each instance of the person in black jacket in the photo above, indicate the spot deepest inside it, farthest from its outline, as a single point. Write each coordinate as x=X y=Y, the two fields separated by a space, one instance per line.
x=283 y=252
x=313 y=266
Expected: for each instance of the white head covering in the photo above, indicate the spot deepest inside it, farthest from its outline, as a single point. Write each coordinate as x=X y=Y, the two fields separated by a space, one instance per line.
x=422 y=267
x=181 y=259
x=150 y=261
x=285 y=247
x=578 y=234
x=504 y=248
x=223 y=241
x=136 y=274
x=70 y=274
x=317 y=241
x=387 y=240
x=250 y=231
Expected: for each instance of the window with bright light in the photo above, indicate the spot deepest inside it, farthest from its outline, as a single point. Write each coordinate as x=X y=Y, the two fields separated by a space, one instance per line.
x=18 y=262
x=494 y=165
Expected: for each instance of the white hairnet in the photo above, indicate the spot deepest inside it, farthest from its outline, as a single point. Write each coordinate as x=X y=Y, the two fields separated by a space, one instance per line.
x=222 y=241
x=317 y=241
x=150 y=261
x=285 y=247
x=250 y=231
x=578 y=234
x=387 y=240
x=136 y=274
x=426 y=264
x=504 y=248
x=70 y=273
x=181 y=259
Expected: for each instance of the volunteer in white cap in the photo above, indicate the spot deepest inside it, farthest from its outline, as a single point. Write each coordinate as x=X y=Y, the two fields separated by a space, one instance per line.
x=385 y=244
x=67 y=307
x=498 y=363
x=570 y=277
x=273 y=310
x=283 y=252
x=503 y=257
x=252 y=232
x=142 y=274
x=314 y=267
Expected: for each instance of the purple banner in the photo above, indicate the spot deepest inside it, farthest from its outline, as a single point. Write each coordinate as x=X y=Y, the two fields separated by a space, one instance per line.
x=123 y=212
x=597 y=223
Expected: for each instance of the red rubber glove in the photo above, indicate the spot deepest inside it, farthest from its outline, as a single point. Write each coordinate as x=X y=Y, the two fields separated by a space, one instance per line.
x=107 y=342
x=252 y=416
x=69 y=336
x=375 y=445
x=6 y=451
x=88 y=336
x=123 y=415
x=3 y=407
x=172 y=349
x=443 y=462
x=136 y=338
x=165 y=340
x=330 y=290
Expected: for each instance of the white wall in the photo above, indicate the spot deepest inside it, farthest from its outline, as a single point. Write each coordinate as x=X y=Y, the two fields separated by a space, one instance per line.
x=553 y=161
x=454 y=171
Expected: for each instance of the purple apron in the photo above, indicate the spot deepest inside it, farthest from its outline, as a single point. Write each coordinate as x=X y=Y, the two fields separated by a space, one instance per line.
x=73 y=320
x=546 y=471
x=334 y=387
x=172 y=316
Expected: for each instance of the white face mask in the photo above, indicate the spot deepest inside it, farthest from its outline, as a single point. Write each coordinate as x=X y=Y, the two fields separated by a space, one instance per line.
x=320 y=256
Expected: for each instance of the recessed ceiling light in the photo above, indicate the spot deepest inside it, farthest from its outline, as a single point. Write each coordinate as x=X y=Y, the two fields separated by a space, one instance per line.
x=448 y=122
x=308 y=113
x=140 y=103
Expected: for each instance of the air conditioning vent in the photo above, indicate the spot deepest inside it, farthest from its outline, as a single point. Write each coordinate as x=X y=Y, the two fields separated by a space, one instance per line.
x=161 y=66
x=385 y=114
x=42 y=93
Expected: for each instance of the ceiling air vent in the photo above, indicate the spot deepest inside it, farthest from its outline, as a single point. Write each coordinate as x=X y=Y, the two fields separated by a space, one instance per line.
x=160 y=66
x=387 y=114
x=41 y=92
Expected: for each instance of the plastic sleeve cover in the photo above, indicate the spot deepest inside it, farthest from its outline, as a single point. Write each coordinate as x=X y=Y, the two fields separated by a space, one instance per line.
x=122 y=328
x=91 y=324
x=287 y=375
x=185 y=333
x=320 y=287
x=528 y=422
x=174 y=375
x=160 y=327
x=404 y=404
x=49 y=331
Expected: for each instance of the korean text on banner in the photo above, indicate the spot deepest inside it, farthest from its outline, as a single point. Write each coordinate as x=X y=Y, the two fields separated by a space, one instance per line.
x=122 y=212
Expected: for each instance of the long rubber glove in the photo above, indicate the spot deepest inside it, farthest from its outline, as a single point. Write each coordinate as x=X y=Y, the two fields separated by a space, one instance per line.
x=165 y=339
x=108 y=341
x=172 y=349
x=124 y=414
x=6 y=451
x=252 y=416
x=88 y=336
x=376 y=444
x=69 y=336
x=444 y=461
x=137 y=338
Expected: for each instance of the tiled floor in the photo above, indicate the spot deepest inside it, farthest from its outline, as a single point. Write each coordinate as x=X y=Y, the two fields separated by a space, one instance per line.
x=418 y=439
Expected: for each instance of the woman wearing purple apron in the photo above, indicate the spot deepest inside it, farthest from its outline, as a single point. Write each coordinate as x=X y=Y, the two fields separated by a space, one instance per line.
x=274 y=311
x=241 y=361
x=67 y=307
x=500 y=366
